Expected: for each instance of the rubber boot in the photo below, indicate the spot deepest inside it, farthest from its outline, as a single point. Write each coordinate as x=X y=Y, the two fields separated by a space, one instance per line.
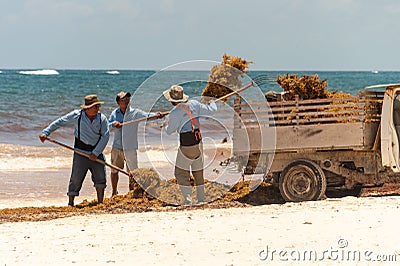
x=201 y=198
x=187 y=195
x=100 y=195
x=71 y=201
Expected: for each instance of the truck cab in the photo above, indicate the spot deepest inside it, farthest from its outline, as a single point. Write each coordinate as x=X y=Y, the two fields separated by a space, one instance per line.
x=390 y=126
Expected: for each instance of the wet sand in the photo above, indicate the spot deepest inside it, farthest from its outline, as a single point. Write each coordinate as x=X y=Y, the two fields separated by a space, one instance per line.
x=46 y=188
x=39 y=175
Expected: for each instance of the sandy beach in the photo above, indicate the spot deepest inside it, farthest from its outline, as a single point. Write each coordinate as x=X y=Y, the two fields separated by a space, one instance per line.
x=259 y=230
x=352 y=231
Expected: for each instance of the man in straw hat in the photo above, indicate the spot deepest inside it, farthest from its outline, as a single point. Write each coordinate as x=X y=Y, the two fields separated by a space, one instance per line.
x=91 y=137
x=184 y=119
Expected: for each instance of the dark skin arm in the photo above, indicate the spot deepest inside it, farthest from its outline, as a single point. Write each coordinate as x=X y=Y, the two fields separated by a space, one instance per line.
x=42 y=137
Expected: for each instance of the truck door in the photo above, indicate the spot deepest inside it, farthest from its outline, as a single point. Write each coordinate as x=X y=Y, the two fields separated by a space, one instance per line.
x=390 y=128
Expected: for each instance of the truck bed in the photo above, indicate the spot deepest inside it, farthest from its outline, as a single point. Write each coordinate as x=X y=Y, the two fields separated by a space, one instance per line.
x=349 y=123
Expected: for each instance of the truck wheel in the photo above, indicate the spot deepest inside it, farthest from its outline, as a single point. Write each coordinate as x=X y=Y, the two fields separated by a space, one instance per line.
x=302 y=180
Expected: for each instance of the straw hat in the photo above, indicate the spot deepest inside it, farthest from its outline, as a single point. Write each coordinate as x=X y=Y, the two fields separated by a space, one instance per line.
x=91 y=100
x=175 y=94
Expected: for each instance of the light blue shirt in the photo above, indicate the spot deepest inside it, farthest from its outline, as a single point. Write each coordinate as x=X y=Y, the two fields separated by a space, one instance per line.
x=179 y=120
x=91 y=132
x=131 y=130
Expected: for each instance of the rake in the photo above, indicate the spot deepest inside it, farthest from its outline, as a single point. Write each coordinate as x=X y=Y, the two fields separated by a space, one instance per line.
x=88 y=156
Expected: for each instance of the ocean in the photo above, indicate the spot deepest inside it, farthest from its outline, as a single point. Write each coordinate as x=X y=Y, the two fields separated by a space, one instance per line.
x=31 y=99
x=35 y=174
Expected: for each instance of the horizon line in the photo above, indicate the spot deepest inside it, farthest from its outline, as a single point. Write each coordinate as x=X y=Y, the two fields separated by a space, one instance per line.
x=144 y=69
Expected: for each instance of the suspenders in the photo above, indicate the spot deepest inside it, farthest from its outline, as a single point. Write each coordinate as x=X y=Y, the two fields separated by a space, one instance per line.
x=190 y=138
x=80 y=144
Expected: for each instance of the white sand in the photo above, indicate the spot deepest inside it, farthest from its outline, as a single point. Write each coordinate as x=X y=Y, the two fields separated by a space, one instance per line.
x=369 y=227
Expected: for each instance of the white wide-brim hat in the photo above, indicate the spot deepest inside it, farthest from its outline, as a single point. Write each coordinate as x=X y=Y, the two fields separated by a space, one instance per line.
x=175 y=94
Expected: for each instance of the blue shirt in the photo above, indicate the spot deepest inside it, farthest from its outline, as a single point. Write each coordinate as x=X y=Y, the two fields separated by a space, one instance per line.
x=131 y=130
x=90 y=132
x=179 y=120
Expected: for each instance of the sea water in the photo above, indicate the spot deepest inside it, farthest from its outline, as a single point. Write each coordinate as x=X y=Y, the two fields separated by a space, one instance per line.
x=31 y=99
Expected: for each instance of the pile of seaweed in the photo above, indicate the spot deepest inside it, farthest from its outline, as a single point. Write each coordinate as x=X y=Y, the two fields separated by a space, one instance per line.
x=306 y=87
x=145 y=182
x=139 y=199
x=225 y=77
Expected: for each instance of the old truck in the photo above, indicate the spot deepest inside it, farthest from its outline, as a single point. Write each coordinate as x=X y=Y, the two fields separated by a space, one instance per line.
x=312 y=147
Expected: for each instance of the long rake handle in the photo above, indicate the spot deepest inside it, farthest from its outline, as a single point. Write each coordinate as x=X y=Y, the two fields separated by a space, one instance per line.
x=88 y=156
x=143 y=118
x=235 y=92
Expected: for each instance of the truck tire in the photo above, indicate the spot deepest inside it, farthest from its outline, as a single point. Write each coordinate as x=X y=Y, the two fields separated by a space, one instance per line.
x=302 y=180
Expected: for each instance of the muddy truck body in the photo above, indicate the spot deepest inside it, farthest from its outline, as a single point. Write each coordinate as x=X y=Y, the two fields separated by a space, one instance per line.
x=321 y=146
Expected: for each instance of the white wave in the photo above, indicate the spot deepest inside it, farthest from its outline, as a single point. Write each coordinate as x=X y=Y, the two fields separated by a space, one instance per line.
x=113 y=72
x=1 y=71
x=28 y=158
x=31 y=164
x=40 y=72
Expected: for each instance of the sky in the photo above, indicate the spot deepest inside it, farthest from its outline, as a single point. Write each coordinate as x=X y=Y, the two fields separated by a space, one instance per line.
x=154 y=34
